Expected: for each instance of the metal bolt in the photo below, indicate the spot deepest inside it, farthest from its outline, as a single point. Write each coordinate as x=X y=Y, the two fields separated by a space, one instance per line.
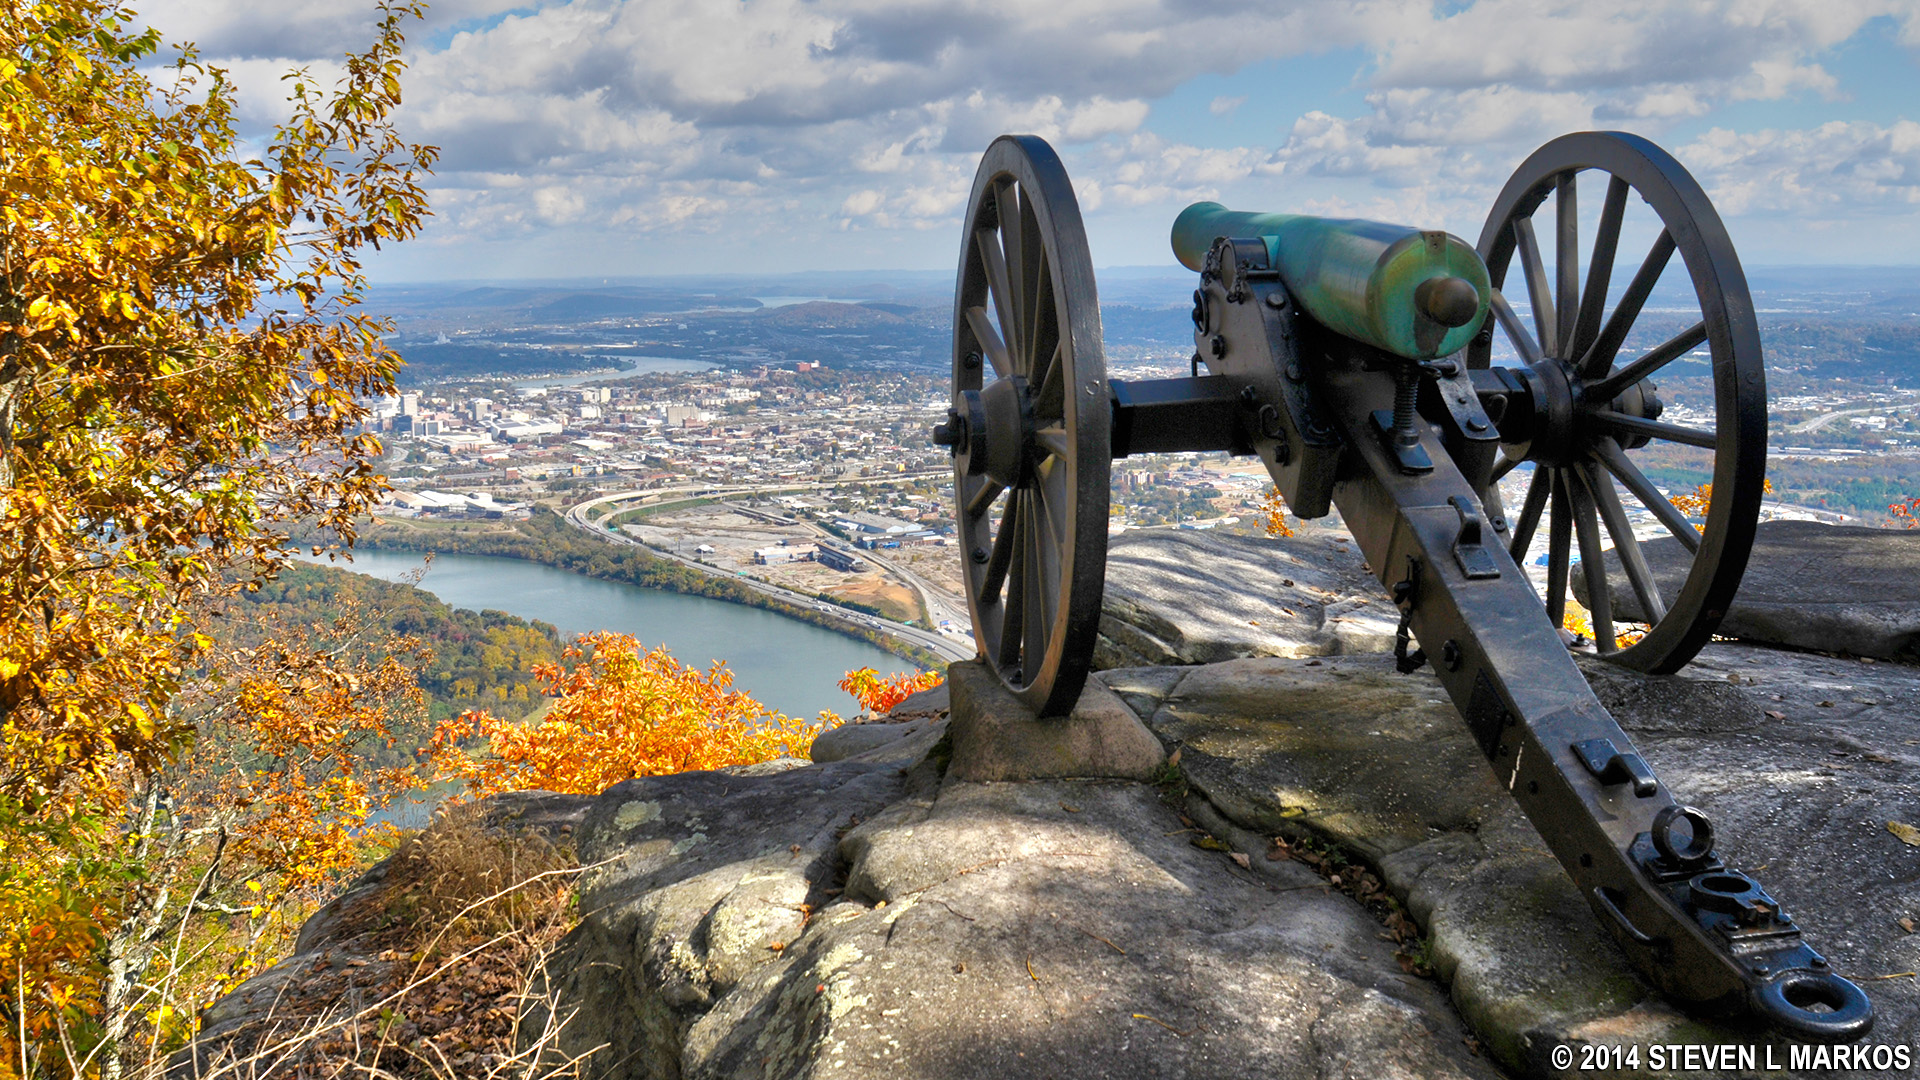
x=1818 y=961
x=1219 y=346
x=1476 y=424
x=979 y=554
x=1450 y=655
x=1282 y=452
x=1276 y=299
x=971 y=362
x=1293 y=370
x=1248 y=395
x=1762 y=969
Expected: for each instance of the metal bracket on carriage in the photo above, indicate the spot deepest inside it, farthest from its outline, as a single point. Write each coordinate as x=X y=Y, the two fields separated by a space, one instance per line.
x=1469 y=550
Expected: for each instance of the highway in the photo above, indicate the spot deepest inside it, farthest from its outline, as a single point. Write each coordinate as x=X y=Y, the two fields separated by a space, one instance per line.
x=937 y=643
x=1824 y=419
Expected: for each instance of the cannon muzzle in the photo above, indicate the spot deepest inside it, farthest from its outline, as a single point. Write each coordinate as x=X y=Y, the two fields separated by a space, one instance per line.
x=1412 y=292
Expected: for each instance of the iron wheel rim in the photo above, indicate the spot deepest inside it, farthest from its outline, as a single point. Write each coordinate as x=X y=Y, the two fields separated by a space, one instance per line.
x=1048 y=554
x=1582 y=338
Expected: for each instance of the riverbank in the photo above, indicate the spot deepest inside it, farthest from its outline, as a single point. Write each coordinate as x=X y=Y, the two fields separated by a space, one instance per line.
x=547 y=540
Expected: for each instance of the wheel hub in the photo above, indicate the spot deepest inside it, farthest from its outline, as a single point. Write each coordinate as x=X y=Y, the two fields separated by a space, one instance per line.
x=991 y=431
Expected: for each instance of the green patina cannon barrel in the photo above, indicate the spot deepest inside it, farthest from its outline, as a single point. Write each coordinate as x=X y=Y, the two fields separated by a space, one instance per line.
x=1414 y=293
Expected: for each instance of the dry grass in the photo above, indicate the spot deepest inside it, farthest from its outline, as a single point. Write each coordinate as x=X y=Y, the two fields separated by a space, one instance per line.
x=429 y=979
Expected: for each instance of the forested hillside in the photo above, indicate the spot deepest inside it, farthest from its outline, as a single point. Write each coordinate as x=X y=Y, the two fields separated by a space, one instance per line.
x=481 y=660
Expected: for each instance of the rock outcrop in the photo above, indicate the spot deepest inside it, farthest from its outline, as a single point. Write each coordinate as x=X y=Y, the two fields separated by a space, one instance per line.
x=870 y=917
x=993 y=896
x=1190 y=597
x=873 y=916
x=1831 y=588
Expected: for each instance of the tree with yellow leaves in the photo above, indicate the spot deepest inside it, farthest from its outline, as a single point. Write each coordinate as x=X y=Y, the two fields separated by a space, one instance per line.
x=182 y=369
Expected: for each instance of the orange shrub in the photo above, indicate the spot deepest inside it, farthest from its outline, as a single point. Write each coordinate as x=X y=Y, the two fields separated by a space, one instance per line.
x=1906 y=512
x=620 y=713
x=878 y=695
x=1275 y=510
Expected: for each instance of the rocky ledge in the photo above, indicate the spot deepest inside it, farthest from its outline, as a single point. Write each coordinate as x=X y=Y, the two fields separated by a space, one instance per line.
x=885 y=915
x=1261 y=866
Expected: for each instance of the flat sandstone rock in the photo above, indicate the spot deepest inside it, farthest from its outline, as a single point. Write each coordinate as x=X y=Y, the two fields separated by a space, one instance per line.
x=1832 y=588
x=1800 y=760
x=848 y=921
x=1190 y=597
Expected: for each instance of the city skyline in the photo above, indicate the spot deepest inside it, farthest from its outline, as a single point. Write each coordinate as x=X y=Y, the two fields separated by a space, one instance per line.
x=642 y=137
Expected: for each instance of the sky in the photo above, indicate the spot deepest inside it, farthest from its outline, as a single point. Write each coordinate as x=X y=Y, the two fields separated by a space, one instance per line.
x=585 y=138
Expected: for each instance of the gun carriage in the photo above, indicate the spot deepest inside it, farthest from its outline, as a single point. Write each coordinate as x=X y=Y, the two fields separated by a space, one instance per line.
x=1356 y=360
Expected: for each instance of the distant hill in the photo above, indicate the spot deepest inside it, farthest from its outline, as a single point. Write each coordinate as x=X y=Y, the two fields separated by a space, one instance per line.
x=827 y=314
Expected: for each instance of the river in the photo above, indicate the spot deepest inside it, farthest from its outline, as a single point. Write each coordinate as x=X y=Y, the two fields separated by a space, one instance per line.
x=784 y=663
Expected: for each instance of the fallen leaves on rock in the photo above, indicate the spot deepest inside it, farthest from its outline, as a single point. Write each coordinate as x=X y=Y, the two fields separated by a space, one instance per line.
x=1363 y=885
x=1906 y=833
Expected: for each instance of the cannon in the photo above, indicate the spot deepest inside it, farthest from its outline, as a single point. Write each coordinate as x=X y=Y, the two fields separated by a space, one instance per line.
x=1357 y=360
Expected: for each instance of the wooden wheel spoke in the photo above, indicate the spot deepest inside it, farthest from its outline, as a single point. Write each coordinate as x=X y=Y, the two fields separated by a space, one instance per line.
x=1000 y=290
x=1013 y=249
x=1035 y=283
x=1656 y=358
x=1049 y=400
x=1598 y=357
x=989 y=340
x=1055 y=501
x=1523 y=343
x=1593 y=562
x=1656 y=429
x=1653 y=607
x=982 y=500
x=1046 y=548
x=1013 y=627
x=1615 y=460
x=1536 y=501
x=1559 y=549
x=1054 y=441
x=1566 y=260
x=1539 y=293
x=1501 y=468
x=1606 y=241
x=1000 y=559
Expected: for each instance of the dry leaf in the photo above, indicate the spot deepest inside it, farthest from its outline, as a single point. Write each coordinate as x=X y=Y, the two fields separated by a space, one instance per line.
x=1241 y=858
x=1907 y=925
x=1776 y=715
x=1173 y=762
x=1907 y=833
x=1070 y=808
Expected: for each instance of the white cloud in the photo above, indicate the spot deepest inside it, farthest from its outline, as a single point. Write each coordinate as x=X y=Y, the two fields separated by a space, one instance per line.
x=650 y=116
x=1835 y=170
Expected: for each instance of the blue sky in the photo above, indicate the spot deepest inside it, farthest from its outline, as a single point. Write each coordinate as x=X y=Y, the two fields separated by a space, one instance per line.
x=641 y=137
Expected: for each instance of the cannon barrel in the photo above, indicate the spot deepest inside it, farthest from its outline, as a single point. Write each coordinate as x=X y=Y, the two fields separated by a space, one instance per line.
x=1412 y=292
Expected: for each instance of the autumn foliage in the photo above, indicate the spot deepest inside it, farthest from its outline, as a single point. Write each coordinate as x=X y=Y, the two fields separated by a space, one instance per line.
x=183 y=366
x=1906 y=512
x=1273 y=514
x=878 y=695
x=619 y=712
